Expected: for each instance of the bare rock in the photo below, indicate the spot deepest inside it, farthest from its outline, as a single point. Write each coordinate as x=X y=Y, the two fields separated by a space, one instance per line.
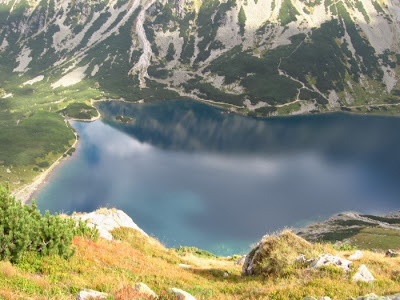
x=143 y=289
x=91 y=294
x=331 y=260
x=363 y=274
x=356 y=255
x=108 y=219
x=181 y=295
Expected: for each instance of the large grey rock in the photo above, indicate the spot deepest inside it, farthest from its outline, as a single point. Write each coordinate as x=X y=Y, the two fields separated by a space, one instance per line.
x=356 y=255
x=331 y=260
x=363 y=274
x=106 y=220
x=181 y=295
x=143 y=289
x=91 y=294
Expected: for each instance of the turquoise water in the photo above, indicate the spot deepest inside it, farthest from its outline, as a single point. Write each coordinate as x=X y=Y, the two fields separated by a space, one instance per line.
x=192 y=176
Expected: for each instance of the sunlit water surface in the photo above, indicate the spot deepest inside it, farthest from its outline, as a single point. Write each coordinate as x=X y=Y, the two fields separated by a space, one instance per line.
x=189 y=175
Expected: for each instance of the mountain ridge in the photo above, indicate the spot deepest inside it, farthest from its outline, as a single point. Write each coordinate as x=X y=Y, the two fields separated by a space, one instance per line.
x=331 y=55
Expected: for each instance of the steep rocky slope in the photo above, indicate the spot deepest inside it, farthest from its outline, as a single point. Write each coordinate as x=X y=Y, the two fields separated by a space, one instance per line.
x=274 y=56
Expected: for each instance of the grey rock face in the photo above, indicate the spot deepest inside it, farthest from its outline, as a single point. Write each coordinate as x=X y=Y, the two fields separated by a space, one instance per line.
x=108 y=219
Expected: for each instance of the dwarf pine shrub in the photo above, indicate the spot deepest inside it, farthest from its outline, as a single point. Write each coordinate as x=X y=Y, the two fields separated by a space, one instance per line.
x=23 y=228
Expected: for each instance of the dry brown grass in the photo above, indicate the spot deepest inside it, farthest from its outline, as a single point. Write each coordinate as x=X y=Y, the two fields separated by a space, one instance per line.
x=115 y=267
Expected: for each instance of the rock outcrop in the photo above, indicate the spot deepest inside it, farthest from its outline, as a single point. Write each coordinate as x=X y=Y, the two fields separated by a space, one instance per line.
x=106 y=220
x=275 y=254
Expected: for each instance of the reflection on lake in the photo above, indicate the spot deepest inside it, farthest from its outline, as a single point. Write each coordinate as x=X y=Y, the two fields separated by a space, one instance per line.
x=190 y=175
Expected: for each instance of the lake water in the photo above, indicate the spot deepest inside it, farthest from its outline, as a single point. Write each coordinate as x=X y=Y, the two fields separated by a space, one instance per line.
x=192 y=176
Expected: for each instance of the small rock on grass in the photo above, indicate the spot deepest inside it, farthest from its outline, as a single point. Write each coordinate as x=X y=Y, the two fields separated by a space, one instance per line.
x=363 y=274
x=329 y=259
x=142 y=288
x=392 y=253
x=356 y=255
x=181 y=295
x=91 y=294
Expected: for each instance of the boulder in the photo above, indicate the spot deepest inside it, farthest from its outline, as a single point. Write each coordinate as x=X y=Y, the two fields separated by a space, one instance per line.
x=363 y=274
x=275 y=254
x=331 y=260
x=143 y=289
x=91 y=294
x=356 y=255
x=106 y=220
x=181 y=295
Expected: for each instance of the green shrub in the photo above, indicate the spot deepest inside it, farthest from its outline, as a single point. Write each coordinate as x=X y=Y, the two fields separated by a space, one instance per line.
x=242 y=20
x=23 y=229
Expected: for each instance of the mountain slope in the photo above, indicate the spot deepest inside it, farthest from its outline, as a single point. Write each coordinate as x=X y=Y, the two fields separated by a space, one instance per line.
x=307 y=55
x=258 y=57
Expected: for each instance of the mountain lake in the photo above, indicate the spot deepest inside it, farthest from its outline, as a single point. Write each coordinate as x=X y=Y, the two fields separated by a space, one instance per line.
x=191 y=175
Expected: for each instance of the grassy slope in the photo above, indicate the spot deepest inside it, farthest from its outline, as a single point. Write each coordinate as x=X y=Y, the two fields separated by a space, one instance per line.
x=114 y=267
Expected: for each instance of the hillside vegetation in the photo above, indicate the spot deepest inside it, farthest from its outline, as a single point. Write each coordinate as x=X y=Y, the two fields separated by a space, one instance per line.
x=115 y=266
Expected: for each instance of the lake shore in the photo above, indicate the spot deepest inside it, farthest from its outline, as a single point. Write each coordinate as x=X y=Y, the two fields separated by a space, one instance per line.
x=25 y=194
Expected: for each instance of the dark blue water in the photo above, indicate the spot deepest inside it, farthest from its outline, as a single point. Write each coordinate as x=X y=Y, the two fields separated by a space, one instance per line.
x=189 y=175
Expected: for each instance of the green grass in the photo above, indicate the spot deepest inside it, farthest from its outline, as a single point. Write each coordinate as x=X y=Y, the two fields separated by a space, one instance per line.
x=34 y=137
x=376 y=238
x=287 y=13
x=80 y=111
x=195 y=251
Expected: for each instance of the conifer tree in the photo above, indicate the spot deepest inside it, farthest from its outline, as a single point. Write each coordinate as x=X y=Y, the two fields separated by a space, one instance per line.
x=23 y=228
x=242 y=20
